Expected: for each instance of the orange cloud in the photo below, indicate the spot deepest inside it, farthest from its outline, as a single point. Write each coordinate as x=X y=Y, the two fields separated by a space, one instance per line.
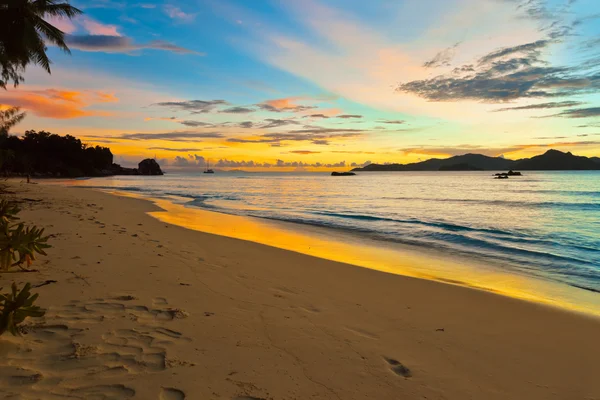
x=56 y=103
x=289 y=102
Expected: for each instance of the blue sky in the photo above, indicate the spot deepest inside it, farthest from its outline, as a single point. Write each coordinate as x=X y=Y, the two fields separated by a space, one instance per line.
x=321 y=84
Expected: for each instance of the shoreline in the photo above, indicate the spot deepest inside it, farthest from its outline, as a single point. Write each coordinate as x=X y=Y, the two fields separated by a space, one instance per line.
x=145 y=309
x=433 y=264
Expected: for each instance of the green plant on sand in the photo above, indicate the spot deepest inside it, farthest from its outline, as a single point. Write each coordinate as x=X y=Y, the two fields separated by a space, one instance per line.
x=18 y=246
x=15 y=307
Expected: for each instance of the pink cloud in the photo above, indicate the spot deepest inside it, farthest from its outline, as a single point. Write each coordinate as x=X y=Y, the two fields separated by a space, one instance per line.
x=64 y=24
x=97 y=28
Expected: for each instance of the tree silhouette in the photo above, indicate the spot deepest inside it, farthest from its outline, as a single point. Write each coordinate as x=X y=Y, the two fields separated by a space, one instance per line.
x=9 y=118
x=24 y=33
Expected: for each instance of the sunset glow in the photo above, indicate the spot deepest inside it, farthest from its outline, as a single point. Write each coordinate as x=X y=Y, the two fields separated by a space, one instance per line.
x=318 y=85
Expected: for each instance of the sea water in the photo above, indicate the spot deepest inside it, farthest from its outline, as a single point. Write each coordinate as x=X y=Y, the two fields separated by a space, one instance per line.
x=544 y=224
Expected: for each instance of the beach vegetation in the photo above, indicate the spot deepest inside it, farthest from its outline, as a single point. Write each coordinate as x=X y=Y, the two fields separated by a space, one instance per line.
x=18 y=246
x=16 y=306
x=50 y=154
x=24 y=33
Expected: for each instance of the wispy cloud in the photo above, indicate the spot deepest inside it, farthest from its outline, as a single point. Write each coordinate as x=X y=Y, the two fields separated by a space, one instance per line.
x=288 y=104
x=591 y=112
x=179 y=150
x=349 y=116
x=97 y=28
x=121 y=44
x=193 y=106
x=442 y=58
x=58 y=103
x=177 y=14
x=175 y=136
x=237 y=110
x=542 y=106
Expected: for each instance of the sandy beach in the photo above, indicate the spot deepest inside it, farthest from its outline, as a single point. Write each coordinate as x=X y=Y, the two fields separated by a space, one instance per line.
x=142 y=309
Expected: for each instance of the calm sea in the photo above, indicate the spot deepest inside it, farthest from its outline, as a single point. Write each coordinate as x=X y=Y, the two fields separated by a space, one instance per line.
x=545 y=224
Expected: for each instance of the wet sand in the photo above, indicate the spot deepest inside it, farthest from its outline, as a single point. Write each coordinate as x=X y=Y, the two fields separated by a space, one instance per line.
x=144 y=309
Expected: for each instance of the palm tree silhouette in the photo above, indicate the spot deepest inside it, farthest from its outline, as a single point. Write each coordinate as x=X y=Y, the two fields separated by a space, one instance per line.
x=9 y=118
x=24 y=33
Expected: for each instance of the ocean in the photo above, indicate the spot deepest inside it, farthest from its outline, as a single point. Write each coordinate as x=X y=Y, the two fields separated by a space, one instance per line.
x=542 y=224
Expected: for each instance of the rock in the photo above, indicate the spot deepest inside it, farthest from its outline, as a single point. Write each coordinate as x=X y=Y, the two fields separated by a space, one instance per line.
x=149 y=166
x=342 y=173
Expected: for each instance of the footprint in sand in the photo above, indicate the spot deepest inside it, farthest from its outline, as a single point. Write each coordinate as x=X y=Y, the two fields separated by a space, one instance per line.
x=159 y=301
x=248 y=398
x=171 y=394
x=398 y=368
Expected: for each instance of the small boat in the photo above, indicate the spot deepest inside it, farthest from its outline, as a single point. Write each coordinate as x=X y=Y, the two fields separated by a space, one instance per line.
x=208 y=170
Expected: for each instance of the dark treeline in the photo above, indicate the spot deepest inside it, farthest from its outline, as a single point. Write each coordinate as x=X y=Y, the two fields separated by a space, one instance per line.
x=49 y=154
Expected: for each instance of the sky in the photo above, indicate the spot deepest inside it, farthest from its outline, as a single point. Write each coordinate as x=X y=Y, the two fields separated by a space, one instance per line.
x=321 y=84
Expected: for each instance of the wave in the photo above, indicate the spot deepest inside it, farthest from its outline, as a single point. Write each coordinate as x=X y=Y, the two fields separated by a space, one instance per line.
x=510 y=203
x=442 y=225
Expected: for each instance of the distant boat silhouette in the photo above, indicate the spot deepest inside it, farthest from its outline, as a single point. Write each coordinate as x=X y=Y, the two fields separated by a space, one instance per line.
x=208 y=170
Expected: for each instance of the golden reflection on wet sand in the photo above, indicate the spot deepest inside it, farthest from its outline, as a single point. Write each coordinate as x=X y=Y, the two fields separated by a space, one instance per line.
x=378 y=255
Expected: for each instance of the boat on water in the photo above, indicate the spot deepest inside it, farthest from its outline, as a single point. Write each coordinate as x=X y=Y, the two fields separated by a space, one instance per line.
x=208 y=170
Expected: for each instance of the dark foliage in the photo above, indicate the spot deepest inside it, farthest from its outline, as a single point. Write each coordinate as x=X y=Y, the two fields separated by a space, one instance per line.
x=24 y=33
x=53 y=155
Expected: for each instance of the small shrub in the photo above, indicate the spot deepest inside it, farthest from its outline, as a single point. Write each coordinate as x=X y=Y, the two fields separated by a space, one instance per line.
x=18 y=245
x=15 y=307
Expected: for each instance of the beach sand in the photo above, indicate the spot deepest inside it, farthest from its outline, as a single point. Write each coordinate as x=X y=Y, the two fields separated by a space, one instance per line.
x=142 y=309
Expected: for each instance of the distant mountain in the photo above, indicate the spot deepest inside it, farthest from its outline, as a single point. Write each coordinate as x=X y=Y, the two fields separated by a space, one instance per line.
x=557 y=160
x=551 y=160
x=473 y=161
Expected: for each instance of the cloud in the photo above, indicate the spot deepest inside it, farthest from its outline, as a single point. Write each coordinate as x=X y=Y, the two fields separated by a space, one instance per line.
x=443 y=58
x=64 y=24
x=276 y=123
x=58 y=103
x=194 y=123
x=97 y=28
x=246 y=124
x=183 y=150
x=193 y=106
x=323 y=116
x=530 y=50
x=237 y=110
x=177 y=136
x=506 y=74
x=391 y=121
x=349 y=116
x=591 y=112
x=317 y=135
x=225 y=163
x=177 y=14
x=560 y=104
x=287 y=104
x=304 y=152
x=120 y=44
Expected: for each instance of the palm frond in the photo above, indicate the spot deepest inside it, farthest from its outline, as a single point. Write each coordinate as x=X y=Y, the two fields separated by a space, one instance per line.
x=52 y=34
x=49 y=8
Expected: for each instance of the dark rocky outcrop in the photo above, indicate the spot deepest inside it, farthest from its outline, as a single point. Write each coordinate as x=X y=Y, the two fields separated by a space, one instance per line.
x=149 y=166
x=342 y=174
